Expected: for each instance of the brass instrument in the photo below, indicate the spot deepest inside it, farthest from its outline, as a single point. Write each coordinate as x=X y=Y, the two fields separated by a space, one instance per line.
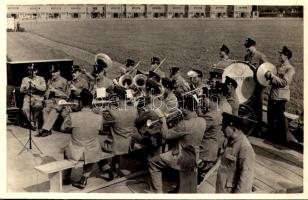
x=139 y=80
x=126 y=80
x=62 y=102
x=172 y=119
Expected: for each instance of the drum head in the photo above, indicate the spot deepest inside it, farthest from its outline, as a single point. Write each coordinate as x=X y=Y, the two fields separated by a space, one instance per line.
x=243 y=75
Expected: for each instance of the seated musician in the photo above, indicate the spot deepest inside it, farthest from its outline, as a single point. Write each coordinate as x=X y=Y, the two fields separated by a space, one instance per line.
x=155 y=63
x=232 y=97
x=154 y=76
x=38 y=87
x=181 y=84
x=56 y=90
x=188 y=134
x=128 y=67
x=196 y=79
x=76 y=85
x=84 y=143
x=150 y=134
x=224 y=61
x=170 y=99
x=99 y=73
x=215 y=76
x=122 y=129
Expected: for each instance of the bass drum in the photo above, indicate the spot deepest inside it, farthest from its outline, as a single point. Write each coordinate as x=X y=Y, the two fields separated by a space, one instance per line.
x=243 y=74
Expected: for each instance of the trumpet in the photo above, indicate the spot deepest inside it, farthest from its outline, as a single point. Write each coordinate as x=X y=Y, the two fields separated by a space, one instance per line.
x=192 y=92
x=62 y=102
x=172 y=118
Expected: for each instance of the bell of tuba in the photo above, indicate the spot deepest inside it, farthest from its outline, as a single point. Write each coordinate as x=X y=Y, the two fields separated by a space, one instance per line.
x=126 y=81
x=139 y=80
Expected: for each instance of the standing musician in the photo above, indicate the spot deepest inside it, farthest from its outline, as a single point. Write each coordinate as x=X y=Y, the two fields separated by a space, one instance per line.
x=129 y=67
x=84 y=143
x=253 y=56
x=279 y=96
x=221 y=90
x=102 y=61
x=232 y=97
x=188 y=134
x=38 y=87
x=155 y=63
x=122 y=130
x=236 y=171
x=76 y=85
x=170 y=99
x=256 y=58
x=181 y=85
x=56 y=90
x=224 y=61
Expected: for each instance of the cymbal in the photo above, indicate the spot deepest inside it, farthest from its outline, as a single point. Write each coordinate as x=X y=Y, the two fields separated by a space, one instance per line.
x=261 y=71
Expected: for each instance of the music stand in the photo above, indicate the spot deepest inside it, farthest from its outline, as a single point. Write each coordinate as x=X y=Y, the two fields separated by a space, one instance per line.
x=30 y=140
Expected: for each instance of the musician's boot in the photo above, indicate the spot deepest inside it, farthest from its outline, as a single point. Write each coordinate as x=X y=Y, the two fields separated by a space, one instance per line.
x=82 y=183
x=45 y=133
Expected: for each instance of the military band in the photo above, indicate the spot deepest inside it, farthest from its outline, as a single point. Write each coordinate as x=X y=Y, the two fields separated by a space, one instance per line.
x=184 y=125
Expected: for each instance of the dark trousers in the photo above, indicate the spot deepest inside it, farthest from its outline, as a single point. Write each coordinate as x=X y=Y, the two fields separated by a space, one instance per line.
x=277 y=124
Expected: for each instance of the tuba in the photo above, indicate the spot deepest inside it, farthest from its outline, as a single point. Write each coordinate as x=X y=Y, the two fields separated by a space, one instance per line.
x=139 y=80
x=126 y=81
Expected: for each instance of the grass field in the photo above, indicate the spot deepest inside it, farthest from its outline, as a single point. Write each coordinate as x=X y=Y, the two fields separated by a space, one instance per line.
x=186 y=43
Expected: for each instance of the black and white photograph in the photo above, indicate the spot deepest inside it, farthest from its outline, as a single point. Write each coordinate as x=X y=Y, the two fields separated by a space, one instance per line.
x=159 y=98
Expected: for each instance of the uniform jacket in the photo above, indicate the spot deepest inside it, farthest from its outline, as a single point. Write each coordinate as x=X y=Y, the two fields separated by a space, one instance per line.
x=60 y=86
x=188 y=133
x=257 y=58
x=234 y=103
x=280 y=83
x=103 y=81
x=209 y=144
x=181 y=84
x=39 y=88
x=236 y=171
x=224 y=106
x=84 y=143
x=122 y=129
x=171 y=102
x=80 y=83
x=223 y=63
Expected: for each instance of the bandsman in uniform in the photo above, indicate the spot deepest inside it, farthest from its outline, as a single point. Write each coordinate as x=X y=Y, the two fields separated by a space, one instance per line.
x=253 y=56
x=155 y=62
x=209 y=147
x=181 y=85
x=224 y=61
x=129 y=67
x=76 y=85
x=236 y=171
x=279 y=96
x=221 y=90
x=232 y=97
x=84 y=143
x=154 y=76
x=188 y=134
x=150 y=135
x=38 y=87
x=56 y=90
x=99 y=73
x=170 y=99
x=215 y=76
x=196 y=79
x=122 y=129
